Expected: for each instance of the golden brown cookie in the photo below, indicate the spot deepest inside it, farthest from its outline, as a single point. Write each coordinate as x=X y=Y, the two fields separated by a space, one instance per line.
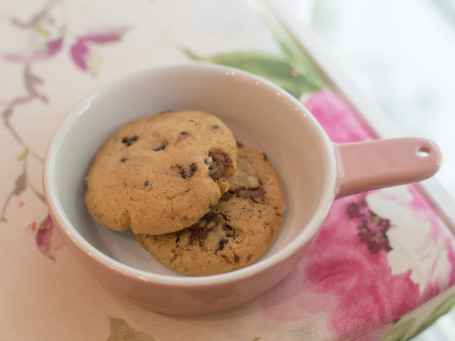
x=236 y=232
x=161 y=173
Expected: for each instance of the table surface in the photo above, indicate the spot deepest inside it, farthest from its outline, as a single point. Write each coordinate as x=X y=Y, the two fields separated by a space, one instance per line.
x=55 y=52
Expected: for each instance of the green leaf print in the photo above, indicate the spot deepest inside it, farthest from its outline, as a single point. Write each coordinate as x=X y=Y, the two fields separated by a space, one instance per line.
x=295 y=55
x=21 y=157
x=402 y=328
x=122 y=331
x=275 y=69
x=397 y=320
x=291 y=48
x=442 y=309
x=399 y=330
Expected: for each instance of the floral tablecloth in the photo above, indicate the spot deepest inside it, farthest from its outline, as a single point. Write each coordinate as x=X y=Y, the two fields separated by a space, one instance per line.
x=382 y=268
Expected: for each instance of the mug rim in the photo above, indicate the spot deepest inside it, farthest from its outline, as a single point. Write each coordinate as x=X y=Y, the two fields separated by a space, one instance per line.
x=66 y=227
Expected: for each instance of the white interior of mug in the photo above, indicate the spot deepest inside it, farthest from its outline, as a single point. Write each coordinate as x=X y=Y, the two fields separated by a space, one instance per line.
x=257 y=112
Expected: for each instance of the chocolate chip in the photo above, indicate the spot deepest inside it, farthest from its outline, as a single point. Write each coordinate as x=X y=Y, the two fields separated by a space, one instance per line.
x=208 y=223
x=122 y=159
x=132 y=140
x=221 y=161
x=227 y=195
x=216 y=127
x=160 y=147
x=178 y=233
x=230 y=232
x=146 y=183
x=257 y=194
x=198 y=235
x=188 y=170
x=208 y=219
x=209 y=162
x=264 y=155
x=222 y=243
x=182 y=135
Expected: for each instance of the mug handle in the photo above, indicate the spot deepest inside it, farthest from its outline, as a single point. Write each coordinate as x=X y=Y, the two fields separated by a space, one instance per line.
x=369 y=165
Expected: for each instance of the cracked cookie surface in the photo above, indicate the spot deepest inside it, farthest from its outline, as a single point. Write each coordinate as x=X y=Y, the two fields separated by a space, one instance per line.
x=161 y=173
x=236 y=232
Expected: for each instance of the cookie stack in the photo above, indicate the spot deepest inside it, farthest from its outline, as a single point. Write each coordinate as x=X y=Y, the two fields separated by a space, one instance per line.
x=200 y=203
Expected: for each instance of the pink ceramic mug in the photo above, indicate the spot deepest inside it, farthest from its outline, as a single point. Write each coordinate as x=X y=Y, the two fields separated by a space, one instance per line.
x=314 y=172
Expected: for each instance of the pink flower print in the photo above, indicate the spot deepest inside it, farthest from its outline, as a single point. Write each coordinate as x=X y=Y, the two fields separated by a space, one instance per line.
x=422 y=242
x=79 y=53
x=48 y=239
x=337 y=119
x=83 y=56
x=341 y=278
x=50 y=49
x=41 y=34
x=372 y=228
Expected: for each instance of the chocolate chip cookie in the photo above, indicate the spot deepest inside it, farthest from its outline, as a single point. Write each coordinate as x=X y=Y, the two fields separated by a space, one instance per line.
x=161 y=173
x=236 y=232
